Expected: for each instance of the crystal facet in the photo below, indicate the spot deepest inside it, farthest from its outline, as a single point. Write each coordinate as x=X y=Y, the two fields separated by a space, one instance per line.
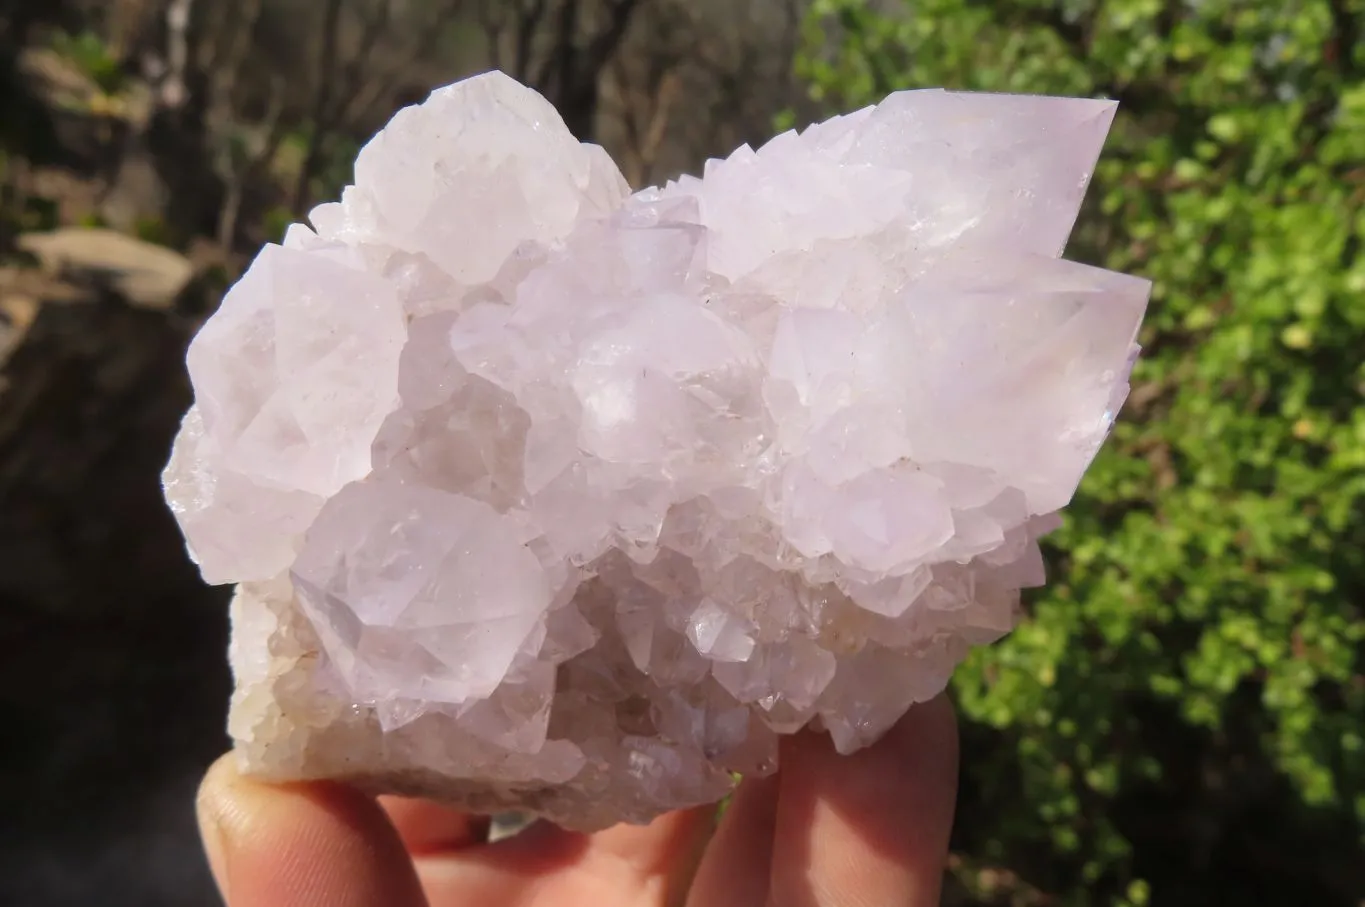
x=542 y=495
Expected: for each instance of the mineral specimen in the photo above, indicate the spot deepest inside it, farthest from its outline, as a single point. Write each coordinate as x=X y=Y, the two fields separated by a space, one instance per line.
x=542 y=495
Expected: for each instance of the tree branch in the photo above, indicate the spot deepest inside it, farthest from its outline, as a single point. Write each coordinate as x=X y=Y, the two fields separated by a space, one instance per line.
x=239 y=174
x=362 y=105
x=373 y=29
x=600 y=50
x=493 y=24
x=174 y=91
x=230 y=53
x=527 y=27
x=564 y=51
x=321 y=106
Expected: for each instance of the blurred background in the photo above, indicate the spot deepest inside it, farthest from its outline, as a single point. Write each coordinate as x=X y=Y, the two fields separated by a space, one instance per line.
x=1181 y=721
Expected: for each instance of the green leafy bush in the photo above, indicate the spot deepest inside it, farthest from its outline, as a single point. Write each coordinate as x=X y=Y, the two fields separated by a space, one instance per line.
x=1181 y=720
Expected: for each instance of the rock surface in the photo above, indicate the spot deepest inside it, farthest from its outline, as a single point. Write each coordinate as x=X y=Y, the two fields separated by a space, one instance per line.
x=142 y=274
x=540 y=495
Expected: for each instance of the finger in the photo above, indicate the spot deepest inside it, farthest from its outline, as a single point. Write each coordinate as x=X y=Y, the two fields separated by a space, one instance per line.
x=625 y=866
x=871 y=828
x=734 y=872
x=662 y=857
x=305 y=845
x=429 y=828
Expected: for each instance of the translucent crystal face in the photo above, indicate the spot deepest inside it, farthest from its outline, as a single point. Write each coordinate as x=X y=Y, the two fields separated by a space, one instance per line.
x=545 y=494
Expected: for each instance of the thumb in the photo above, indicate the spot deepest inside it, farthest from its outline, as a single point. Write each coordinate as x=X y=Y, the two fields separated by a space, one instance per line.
x=305 y=845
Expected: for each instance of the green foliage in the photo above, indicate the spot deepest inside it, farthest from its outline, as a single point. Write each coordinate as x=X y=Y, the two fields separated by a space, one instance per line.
x=338 y=167
x=88 y=53
x=155 y=230
x=277 y=222
x=22 y=212
x=1185 y=706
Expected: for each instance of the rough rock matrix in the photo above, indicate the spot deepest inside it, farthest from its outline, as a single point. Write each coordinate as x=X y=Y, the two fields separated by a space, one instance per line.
x=542 y=495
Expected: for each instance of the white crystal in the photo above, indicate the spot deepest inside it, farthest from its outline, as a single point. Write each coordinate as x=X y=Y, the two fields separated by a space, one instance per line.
x=542 y=495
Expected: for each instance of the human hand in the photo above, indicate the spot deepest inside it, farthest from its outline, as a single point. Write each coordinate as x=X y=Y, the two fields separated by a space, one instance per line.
x=868 y=830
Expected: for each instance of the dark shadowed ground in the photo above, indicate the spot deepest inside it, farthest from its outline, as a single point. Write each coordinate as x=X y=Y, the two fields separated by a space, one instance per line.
x=113 y=679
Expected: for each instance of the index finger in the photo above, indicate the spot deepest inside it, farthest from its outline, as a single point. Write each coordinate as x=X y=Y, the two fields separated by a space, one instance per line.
x=870 y=828
x=842 y=831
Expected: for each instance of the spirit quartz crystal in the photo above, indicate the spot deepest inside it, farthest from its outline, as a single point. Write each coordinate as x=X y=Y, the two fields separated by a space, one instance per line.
x=543 y=495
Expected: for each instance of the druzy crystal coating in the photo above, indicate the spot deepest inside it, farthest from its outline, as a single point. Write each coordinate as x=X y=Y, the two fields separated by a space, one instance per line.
x=544 y=495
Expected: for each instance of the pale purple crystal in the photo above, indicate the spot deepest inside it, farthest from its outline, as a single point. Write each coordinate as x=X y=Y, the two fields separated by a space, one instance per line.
x=543 y=495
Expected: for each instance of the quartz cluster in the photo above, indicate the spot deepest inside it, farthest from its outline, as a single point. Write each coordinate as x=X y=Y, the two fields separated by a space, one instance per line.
x=544 y=495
